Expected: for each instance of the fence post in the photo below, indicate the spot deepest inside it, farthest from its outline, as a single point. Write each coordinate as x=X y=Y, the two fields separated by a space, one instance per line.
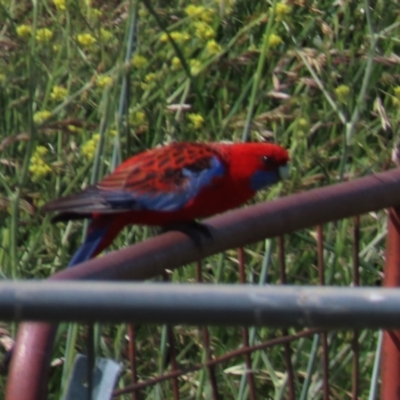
x=390 y=389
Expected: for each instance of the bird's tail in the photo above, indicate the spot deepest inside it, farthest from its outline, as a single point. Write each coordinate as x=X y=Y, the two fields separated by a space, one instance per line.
x=89 y=247
x=100 y=234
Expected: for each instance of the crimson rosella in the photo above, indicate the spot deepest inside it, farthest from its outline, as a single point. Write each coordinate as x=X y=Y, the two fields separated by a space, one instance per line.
x=177 y=183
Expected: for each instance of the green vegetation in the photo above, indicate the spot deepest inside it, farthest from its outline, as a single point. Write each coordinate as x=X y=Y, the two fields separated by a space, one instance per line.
x=320 y=78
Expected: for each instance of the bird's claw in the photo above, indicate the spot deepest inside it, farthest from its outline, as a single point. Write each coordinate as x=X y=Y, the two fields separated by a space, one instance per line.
x=195 y=230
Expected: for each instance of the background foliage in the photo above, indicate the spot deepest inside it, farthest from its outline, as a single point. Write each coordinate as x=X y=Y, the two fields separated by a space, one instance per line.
x=84 y=85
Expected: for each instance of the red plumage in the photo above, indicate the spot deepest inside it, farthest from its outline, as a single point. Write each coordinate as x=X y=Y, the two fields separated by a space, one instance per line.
x=175 y=183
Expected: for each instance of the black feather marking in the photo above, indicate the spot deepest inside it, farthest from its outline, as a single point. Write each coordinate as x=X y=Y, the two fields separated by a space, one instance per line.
x=200 y=165
x=69 y=216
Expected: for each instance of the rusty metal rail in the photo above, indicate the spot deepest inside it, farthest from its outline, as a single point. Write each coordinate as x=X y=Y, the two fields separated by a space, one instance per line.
x=27 y=380
x=391 y=339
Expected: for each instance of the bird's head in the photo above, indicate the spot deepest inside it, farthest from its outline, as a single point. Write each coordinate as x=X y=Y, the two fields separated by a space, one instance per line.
x=262 y=163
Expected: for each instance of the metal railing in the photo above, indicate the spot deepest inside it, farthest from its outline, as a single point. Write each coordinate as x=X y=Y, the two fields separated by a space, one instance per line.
x=31 y=359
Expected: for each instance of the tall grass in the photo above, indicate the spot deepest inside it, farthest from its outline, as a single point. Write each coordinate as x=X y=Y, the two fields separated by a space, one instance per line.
x=79 y=92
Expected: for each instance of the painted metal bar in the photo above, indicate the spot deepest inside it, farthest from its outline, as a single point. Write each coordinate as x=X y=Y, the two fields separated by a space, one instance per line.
x=202 y=304
x=174 y=363
x=324 y=335
x=245 y=331
x=171 y=351
x=231 y=230
x=390 y=388
x=132 y=352
x=206 y=342
x=286 y=346
x=356 y=282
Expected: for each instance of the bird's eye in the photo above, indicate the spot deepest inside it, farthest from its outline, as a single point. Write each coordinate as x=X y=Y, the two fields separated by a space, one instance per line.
x=268 y=161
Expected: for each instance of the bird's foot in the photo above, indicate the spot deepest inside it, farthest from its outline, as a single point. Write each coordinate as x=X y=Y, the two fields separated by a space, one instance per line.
x=195 y=230
x=5 y=363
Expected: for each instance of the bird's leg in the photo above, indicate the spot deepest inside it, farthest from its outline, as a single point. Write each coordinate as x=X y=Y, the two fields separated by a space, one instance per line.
x=195 y=230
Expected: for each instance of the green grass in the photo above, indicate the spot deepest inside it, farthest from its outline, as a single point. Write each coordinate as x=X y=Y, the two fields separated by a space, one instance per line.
x=321 y=80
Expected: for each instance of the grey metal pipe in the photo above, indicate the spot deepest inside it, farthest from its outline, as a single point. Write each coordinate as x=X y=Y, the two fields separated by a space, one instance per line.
x=201 y=304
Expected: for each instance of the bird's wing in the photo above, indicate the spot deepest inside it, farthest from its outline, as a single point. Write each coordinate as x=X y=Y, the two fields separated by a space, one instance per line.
x=163 y=179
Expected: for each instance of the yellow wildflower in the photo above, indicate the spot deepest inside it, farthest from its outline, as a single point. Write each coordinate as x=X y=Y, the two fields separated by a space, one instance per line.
x=38 y=167
x=148 y=80
x=24 y=31
x=342 y=92
x=143 y=11
x=60 y=5
x=150 y=77
x=196 y=120
x=303 y=123
x=176 y=63
x=203 y=31
x=106 y=35
x=207 y=15
x=96 y=12
x=396 y=101
x=193 y=10
x=103 y=81
x=282 y=10
x=274 y=40
x=86 y=39
x=44 y=35
x=138 y=61
x=73 y=128
x=177 y=36
x=213 y=47
x=164 y=37
x=59 y=93
x=195 y=66
x=41 y=151
x=199 y=12
x=180 y=36
x=396 y=97
x=88 y=149
x=41 y=116
x=137 y=118
x=185 y=37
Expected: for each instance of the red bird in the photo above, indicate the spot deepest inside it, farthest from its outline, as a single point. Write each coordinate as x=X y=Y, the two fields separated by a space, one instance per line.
x=173 y=184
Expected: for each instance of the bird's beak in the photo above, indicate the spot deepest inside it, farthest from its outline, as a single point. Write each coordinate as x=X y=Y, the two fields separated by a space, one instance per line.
x=283 y=172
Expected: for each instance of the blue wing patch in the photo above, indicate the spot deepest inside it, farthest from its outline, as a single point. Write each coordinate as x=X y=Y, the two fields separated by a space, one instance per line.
x=167 y=201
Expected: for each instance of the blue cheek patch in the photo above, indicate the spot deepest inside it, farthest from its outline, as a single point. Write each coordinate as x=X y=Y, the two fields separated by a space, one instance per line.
x=261 y=179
